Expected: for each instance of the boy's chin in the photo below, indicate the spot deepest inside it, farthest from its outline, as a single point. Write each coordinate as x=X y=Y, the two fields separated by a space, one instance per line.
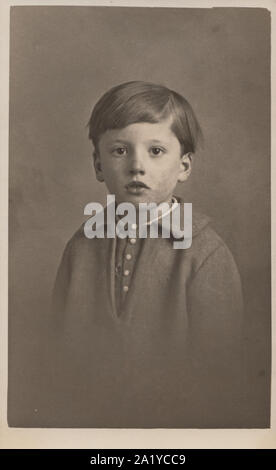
x=135 y=201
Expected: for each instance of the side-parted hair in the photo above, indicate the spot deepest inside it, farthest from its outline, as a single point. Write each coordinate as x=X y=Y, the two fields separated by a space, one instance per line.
x=139 y=101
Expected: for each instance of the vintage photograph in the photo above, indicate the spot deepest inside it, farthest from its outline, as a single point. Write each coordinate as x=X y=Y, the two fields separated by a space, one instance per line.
x=139 y=217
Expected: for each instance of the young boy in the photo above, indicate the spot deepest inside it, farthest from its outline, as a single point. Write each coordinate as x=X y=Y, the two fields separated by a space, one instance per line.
x=146 y=335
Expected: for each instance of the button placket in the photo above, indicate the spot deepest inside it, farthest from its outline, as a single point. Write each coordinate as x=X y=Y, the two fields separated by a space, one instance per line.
x=127 y=264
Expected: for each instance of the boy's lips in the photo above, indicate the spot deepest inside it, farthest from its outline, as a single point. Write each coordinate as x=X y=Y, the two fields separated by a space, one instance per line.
x=136 y=187
x=136 y=184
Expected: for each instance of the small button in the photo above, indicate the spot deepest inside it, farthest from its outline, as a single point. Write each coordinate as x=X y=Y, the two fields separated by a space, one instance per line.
x=125 y=288
x=126 y=272
x=128 y=256
x=132 y=241
x=133 y=226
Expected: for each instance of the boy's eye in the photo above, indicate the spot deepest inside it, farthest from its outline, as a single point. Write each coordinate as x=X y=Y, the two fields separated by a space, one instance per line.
x=119 y=151
x=156 y=151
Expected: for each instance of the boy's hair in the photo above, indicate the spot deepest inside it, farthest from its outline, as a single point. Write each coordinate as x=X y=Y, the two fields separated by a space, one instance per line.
x=139 y=101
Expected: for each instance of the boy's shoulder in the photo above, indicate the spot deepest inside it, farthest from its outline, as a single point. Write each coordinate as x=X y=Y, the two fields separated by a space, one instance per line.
x=208 y=245
x=77 y=242
x=203 y=232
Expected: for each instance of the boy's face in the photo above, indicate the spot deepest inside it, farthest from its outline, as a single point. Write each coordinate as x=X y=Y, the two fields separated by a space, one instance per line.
x=142 y=162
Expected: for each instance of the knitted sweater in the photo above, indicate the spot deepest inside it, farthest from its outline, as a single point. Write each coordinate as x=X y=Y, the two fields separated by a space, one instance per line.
x=172 y=357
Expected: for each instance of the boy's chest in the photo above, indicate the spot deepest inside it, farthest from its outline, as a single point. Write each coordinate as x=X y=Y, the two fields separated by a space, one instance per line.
x=132 y=289
x=143 y=349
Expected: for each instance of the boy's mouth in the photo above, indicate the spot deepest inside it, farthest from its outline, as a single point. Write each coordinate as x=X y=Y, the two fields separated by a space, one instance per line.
x=136 y=187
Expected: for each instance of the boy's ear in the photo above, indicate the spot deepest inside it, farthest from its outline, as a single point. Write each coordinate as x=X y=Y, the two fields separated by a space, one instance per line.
x=185 y=166
x=98 y=167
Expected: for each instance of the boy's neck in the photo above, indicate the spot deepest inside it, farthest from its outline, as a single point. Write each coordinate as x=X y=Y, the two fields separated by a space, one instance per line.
x=171 y=200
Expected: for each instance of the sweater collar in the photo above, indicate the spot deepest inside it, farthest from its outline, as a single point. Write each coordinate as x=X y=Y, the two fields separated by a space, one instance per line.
x=199 y=220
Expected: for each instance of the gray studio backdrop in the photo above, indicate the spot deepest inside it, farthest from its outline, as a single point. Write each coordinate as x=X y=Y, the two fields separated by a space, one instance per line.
x=61 y=60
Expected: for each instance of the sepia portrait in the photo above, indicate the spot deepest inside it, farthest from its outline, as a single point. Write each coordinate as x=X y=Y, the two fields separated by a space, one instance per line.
x=146 y=105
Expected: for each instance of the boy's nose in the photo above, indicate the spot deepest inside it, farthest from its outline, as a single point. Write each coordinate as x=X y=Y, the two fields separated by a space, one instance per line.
x=136 y=165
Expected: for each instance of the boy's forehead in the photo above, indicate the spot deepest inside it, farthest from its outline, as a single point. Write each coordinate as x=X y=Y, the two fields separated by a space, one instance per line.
x=141 y=130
